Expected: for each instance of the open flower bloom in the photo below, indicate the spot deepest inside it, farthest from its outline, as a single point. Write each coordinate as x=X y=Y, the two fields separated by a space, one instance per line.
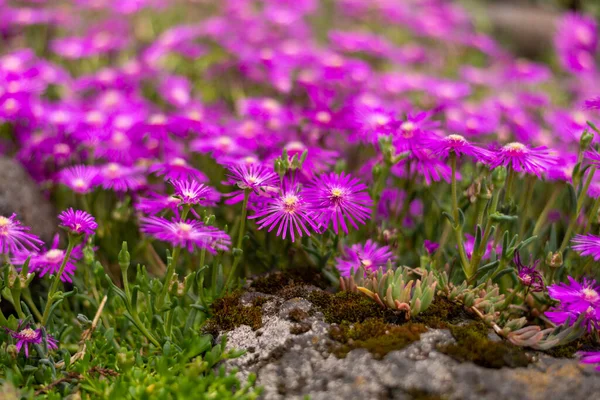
x=14 y=237
x=188 y=234
x=521 y=158
x=337 y=198
x=587 y=245
x=530 y=277
x=26 y=336
x=49 y=261
x=590 y=357
x=78 y=222
x=457 y=144
x=369 y=255
x=191 y=192
x=255 y=177
x=288 y=211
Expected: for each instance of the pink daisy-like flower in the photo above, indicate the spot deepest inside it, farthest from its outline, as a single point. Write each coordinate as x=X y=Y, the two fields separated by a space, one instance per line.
x=457 y=144
x=49 y=261
x=78 y=222
x=590 y=357
x=593 y=157
x=575 y=296
x=26 y=336
x=121 y=178
x=288 y=210
x=337 y=198
x=157 y=203
x=188 y=234
x=191 y=192
x=14 y=237
x=79 y=178
x=529 y=276
x=256 y=177
x=177 y=169
x=587 y=245
x=592 y=104
x=521 y=158
x=369 y=255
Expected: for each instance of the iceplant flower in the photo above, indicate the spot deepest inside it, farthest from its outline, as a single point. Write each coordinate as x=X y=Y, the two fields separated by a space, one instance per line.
x=26 y=336
x=15 y=237
x=369 y=256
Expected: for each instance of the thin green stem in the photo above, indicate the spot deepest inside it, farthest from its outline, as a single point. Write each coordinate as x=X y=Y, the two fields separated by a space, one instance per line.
x=478 y=253
x=509 y=186
x=32 y=307
x=592 y=215
x=526 y=203
x=168 y=277
x=575 y=216
x=16 y=298
x=242 y=231
x=57 y=280
x=544 y=214
x=456 y=215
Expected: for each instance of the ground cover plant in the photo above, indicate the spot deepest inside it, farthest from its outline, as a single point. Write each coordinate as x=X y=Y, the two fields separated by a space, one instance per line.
x=394 y=148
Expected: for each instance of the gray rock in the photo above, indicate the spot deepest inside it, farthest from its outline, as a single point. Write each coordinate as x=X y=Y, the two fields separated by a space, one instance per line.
x=293 y=366
x=19 y=194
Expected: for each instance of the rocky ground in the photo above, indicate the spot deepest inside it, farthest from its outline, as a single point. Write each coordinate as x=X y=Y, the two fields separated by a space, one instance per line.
x=291 y=356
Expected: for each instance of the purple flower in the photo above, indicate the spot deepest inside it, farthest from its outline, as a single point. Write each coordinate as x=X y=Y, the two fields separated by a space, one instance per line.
x=157 y=203
x=256 y=177
x=576 y=41
x=121 y=178
x=78 y=222
x=430 y=247
x=49 y=261
x=79 y=178
x=592 y=104
x=457 y=144
x=177 y=168
x=590 y=357
x=14 y=237
x=288 y=211
x=188 y=234
x=370 y=256
x=336 y=198
x=534 y=161
x=26 y=336
x=191 y=192
x=587 y=245
x=593 y=157
x=575 y=296
x=530 y=277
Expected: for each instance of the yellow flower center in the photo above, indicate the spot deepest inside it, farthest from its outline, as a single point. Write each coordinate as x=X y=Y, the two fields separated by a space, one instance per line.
x=456 y=138
x=590 y=295
x=515 y=148
x=185 y=228
x=289 y=202
x=54 y=255
x=178 y=162
x=366 y=263
x=4 y=221
x=28 y=333
x=337 y=192
x=323 y=117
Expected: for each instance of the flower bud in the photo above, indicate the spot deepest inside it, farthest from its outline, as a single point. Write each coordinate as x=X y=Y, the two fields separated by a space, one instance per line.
x=124 y=257
x=554 y=260
x=499 y=177
x=585 y=140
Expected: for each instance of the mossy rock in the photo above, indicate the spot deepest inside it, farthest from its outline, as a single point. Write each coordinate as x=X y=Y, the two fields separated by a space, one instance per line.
x=442 y=313
x=275 y=282
x=375 y=335
x=350 y=307
x=227 y=313
x=472 y=344
x=570 y=350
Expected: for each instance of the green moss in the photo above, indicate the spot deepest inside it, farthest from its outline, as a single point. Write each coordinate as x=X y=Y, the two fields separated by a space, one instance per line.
x=473 y=344
x=569 y=350
x=374 y=335
x=297 y=315
x=349 y=307
x=228 y=313
x=274 y=283
x=441 y=313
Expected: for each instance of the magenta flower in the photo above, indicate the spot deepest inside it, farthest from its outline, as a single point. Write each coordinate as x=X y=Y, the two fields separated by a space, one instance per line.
x=590 y=357
x=176 y=169
x=430 y=247
x=593 y=157
x=575 y=296
x=370 y=256
x=256 y=177
x=188 y=234
x=519 y=157
x=77 y=222
x=49 y=261
x=121 y=178
x=157 y=203
x=592 y=104
x=457 y=144
x=587 y=245
x=530 y=277
x=191 y=193
x=288 y=211
x=26 y=336
x=79 y=178
x=337 y=198
x=14 y=237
